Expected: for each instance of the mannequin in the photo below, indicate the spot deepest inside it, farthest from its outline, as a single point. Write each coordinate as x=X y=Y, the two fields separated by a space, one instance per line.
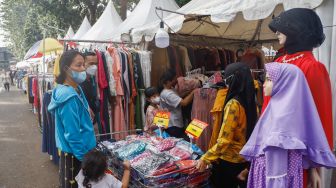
x=289 y=136
x=300 y=30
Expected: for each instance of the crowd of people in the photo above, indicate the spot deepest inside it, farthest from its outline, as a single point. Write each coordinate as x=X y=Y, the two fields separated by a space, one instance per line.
x=284 y=145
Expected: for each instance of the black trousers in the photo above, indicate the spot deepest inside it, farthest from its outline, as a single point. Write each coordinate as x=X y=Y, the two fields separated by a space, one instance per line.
x=224 y=174
x=177 y=133
x=6 y=85
x=69 y=167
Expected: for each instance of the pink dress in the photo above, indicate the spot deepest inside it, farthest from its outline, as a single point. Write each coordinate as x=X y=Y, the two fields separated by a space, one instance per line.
x=150 y=113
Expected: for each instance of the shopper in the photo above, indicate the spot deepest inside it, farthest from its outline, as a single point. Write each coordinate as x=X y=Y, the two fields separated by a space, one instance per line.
x=74 y=130
x=89 y=86
x=240 y=116
x=289 y=135
x=172 y=102
x=94 y=173
x=300 y=30
x=5 y=81
x=151 y=108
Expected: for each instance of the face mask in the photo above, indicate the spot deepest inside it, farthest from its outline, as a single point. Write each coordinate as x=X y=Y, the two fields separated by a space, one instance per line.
x=91 y=70
x=78 y=77
x=156 y=100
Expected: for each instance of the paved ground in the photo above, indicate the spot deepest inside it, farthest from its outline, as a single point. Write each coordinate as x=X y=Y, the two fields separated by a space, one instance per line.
x=22 y=164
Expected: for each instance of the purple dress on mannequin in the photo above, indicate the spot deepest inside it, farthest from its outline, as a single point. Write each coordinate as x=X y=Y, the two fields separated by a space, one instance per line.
x=288 y=136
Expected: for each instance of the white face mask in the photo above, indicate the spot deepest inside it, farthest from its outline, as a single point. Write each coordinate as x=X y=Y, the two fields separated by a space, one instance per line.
x=91 y=70
x=156 y=100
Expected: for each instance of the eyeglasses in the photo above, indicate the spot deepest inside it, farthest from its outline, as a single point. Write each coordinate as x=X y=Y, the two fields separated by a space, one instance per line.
x=226 y=80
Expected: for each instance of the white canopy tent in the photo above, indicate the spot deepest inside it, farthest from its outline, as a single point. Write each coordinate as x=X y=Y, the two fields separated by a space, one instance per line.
x=234 y=19
x=107 y=23
x=22 y=65
x=83 y=28
x=70 y=33
x=144 y=13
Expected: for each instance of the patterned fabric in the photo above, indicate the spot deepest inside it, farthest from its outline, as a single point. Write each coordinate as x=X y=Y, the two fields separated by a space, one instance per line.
x=150 y=113
x=273 y=71
x=131 y=150
x=69 y=167
x=231 y=138
x=181 y=154
x=217 y=115
x=166 y=144
x=257 y=175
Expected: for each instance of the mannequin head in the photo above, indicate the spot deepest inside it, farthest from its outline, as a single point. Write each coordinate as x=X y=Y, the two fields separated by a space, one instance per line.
x=268 y=86
x=302 y=28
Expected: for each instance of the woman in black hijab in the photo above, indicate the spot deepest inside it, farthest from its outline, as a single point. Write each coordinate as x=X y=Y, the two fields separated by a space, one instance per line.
x=240 y=116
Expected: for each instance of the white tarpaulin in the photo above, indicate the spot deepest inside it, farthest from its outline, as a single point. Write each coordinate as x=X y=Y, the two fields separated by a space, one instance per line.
x=107 y=23
x=83 y=28
x=69 y=34
x=22 y=65
x=235 y=19
x=144 y=13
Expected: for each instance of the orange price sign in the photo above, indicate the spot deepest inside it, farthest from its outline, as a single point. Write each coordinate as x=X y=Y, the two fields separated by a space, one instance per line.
x=161 y=118
x=195 y=128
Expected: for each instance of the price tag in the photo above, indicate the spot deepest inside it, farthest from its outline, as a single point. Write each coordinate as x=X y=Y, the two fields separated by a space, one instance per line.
x=161 y=119
x=195 y=128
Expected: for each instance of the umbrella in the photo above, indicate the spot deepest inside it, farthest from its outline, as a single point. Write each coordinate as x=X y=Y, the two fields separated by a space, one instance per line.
x=51 y=45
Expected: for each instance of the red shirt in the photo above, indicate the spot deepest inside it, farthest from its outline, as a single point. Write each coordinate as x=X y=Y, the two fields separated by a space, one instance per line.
x=320 y=87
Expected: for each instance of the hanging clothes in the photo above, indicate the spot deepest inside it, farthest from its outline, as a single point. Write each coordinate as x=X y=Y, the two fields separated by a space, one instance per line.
x=48 y=130
x=217 y=115
x=202 y=104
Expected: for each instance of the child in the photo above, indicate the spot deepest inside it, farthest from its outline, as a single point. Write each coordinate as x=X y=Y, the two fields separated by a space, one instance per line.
x=151 y=107
x=93 y=173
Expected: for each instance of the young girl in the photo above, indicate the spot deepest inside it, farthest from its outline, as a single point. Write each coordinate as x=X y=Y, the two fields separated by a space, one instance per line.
x=93 y=173
x=151 y=107
x=240 y=116
x=289 y=135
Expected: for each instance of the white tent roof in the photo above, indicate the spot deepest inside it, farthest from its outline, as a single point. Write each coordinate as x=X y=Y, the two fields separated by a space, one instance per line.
x=83 y=28
x=236 y=19
x=144 y=13
x=105 y=25
x=69 y=34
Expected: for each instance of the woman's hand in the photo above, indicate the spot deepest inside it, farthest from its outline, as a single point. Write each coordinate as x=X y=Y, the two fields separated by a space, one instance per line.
x=201 y=165
x=242 y=176
x=91 y=114
x=314 y=178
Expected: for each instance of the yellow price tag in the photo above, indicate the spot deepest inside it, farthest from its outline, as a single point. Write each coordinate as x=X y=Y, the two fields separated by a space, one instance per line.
x=195 y=128
x=161 y=119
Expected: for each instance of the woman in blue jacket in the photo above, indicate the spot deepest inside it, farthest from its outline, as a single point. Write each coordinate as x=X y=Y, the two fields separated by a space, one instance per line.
x=74 y=130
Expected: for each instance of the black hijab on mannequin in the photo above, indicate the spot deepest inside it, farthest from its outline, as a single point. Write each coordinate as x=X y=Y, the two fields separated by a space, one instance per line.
x=241 y=88
x=302 y=27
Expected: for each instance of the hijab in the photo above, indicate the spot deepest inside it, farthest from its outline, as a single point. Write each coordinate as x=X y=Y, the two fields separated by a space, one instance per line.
x=291 y=120
x=302 y=27
x=241 y=87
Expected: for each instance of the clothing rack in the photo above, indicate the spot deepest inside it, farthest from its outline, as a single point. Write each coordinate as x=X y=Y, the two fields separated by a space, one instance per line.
x=257 y=70
x=97 y=41
x=213 y=72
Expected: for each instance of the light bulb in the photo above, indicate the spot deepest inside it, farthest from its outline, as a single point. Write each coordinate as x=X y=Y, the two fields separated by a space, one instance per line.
x=161 y=37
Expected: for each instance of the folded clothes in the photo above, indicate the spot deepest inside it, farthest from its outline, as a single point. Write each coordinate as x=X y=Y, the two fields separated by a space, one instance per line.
x=179 y=153
x=166 y=144
x=148 y=164
x=131 y=150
